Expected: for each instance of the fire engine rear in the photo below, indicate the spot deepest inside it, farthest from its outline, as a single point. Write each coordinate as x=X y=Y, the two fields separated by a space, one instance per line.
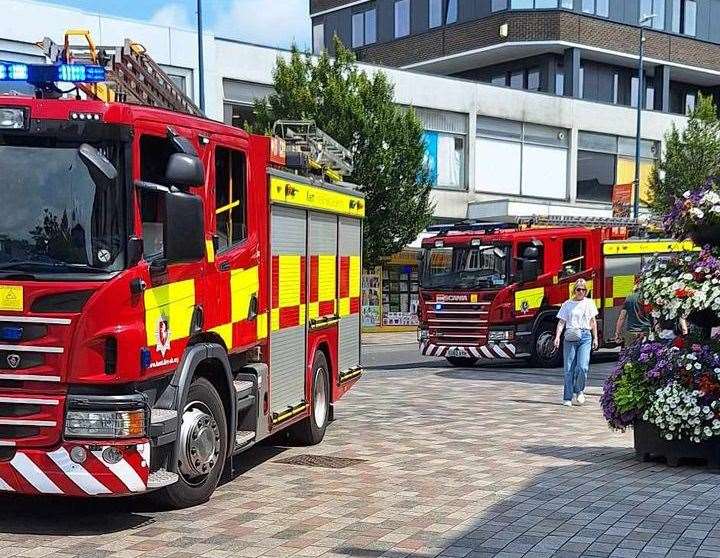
x=172 y=290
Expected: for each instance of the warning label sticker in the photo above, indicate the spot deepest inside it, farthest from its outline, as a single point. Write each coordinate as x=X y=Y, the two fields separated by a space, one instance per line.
x=11 y=298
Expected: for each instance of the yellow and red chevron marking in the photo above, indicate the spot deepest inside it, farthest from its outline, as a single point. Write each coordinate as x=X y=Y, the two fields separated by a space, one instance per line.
x=41 y=472
x=617 y=289
x=349 y=286
x=288 y=291
x=323 y=286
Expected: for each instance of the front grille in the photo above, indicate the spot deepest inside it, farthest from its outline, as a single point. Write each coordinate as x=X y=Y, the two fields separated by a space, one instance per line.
x=31 y=420
x=13 y=431
x=458 y=323
x=10 y=360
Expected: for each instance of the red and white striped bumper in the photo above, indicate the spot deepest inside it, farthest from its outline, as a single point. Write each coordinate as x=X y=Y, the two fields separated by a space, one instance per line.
x=485 y=352
x=41 y=472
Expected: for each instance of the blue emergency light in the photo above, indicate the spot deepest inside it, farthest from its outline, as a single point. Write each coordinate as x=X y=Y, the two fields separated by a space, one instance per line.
x=50 y=73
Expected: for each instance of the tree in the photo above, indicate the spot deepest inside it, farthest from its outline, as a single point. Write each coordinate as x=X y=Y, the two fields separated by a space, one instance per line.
x=357 y=110
x=691 y=156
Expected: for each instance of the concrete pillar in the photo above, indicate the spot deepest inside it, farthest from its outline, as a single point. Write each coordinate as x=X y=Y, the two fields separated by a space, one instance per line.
x=572 y=164
x=662 y=88
x=572 y=72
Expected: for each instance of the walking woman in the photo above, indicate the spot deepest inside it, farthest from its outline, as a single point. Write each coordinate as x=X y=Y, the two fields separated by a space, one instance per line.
x=577 y=318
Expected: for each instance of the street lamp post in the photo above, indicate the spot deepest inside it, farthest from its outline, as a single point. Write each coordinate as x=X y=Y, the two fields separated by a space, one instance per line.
x=640 y=98
x=201 y=65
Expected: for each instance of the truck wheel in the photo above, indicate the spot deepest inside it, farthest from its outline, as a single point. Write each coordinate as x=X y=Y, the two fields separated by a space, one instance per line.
x=202 y=448
x=543 y=352
x=311 y=430
x=462 y=362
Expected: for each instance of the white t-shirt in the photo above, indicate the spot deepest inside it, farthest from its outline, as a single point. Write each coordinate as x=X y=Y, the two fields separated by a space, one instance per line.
x=578 y=313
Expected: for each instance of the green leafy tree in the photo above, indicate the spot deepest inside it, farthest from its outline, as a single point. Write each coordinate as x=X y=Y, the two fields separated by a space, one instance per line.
x=691 y=156
x=357 y=110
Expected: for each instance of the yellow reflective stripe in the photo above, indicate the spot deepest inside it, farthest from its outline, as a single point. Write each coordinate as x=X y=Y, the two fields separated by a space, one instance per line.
x=244 y=283
x=622 y=285
x=174 y=302
x=327 y=284
x=226 y=332
x=609 y=303
x=344 y=307
x=315 y=197
x=355 y=276
x=262 y=326
x=289 y=281
x=529 y=299
x=301 y=318
x=227 y=207
x=313 y=310
x=275 y=319
x=621 y=248
x=210 y=249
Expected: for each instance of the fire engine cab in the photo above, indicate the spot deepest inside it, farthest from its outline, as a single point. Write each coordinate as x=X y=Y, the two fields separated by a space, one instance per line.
x=493 y=290
x=172 y=290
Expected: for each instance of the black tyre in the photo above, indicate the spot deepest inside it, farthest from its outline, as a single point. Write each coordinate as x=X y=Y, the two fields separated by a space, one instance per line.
x=462 y=362
x=202 y=448
x=543 y=352
x=311 y=430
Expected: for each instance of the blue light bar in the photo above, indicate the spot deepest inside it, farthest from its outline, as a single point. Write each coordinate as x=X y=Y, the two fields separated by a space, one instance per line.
x=77 y=73
x=13 y=72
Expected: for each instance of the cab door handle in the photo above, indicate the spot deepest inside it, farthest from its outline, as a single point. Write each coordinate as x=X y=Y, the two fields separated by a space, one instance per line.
x=224 y=266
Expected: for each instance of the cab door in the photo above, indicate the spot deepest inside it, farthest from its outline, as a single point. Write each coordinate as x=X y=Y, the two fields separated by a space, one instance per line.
x=233 y=280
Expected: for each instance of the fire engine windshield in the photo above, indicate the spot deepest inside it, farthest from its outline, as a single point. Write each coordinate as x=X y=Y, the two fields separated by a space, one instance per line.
x=60 y=213
x=465 y=267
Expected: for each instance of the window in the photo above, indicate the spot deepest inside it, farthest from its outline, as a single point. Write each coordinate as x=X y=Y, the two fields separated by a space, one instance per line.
x=499 y=79
x=595 y=176
x=517 y=79
x=364 y=30
x=541 y=4
x=154 y=156
x=560 y=83
x=684 y=17
x=230 y=181
x=656 y=8
x=402 y=18
x=179 y=82
x=533 y=80
x=521 y=4
x=498 y=5
x=452 y=12
x=358 y=30
x=445 y=159
x=435 y=13
x=634 y=93
x=690 y=101
x=520 y=159
x=567 y=4
x=581 y=79
x=616 y=88
x=573 y=256
x=596 y=7
x=318 y=38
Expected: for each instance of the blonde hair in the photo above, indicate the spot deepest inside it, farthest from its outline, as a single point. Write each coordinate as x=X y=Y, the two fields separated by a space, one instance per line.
x=580 y=283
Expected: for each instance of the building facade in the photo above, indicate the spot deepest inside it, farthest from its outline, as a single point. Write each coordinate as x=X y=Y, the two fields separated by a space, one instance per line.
x=576 y=48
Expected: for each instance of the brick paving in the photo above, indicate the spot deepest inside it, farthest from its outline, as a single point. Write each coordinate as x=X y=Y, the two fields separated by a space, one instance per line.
x=457 y=463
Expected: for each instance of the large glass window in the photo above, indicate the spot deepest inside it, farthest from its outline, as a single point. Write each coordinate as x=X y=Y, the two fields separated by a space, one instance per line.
x=465 y=267
x=656 y=8
x=595 y=176
x=520 y=159
x=402 y=18
x=445 y=147
x=684 y=17
x=521 y=4
x=364 y=30
x=452 y=11
x=370 y=26
x=435 y=13
x=318 y=38
x=596 y=7
x=230 y=180
x=498 y=5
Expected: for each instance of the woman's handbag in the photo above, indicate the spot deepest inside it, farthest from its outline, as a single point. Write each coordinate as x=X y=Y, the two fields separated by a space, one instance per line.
x=573 y=334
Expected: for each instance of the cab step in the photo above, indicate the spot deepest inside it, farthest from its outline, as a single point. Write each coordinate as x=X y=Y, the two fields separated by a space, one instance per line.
x=161 y=478
x=243 y=438
x=243 y=388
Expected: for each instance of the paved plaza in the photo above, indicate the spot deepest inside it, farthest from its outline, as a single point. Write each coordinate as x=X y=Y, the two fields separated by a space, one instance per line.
x=455 y=463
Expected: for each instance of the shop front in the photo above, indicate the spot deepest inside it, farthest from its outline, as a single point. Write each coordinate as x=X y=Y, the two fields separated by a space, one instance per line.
x=390 y=294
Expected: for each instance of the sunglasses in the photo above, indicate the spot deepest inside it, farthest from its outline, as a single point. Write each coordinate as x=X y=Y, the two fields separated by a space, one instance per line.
x=580 y=290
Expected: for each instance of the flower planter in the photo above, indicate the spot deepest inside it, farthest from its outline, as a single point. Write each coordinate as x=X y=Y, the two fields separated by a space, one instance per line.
x=650 y=444
x=704 y=235
x=706 y=319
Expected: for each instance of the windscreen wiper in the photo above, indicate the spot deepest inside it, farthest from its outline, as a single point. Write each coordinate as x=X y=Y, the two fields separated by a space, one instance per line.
x=49 y=267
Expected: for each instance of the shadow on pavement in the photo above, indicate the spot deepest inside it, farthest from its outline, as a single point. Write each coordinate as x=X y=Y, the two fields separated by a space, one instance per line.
x=52 y=515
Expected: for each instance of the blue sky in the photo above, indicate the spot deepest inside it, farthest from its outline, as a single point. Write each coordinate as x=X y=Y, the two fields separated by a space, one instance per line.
x=269 y=22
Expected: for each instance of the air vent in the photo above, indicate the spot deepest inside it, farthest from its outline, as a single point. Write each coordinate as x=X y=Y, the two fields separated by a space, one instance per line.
x=63 y=302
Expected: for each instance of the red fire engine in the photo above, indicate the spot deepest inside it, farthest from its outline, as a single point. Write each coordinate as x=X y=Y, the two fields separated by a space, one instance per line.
x=172 y=290
x=492 y=291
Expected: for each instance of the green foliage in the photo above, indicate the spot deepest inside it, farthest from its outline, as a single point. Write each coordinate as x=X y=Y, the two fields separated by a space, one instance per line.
x=691 y=156
x=358 y=111
x=632 y=390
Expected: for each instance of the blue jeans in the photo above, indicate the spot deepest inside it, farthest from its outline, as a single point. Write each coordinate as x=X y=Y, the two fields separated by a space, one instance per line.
x=576 y=357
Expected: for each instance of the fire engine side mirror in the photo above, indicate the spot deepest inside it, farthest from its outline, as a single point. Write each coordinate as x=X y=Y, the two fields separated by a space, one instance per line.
x=184 y=228
x=185 y=170
x=530 y=270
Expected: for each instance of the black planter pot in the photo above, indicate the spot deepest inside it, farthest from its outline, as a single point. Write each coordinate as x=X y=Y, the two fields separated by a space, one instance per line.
x=708 y=234
x=650 y=444
x=705 y=319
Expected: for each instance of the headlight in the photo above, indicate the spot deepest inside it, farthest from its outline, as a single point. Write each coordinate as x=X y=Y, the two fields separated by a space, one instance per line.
x=12 y=118
x=422 y=334
x=501 y=335
x=105 y=424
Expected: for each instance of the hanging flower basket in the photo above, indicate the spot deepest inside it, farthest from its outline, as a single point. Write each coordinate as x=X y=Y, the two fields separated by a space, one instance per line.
x=696 y=214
